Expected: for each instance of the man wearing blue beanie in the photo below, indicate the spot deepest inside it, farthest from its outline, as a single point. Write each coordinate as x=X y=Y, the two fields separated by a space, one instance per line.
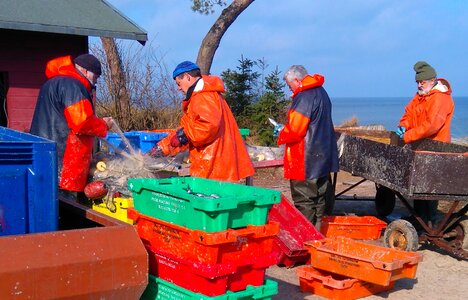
x=183 y=67
x=207 y=128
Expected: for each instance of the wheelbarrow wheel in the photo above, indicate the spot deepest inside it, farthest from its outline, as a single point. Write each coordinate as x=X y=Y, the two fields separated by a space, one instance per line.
x=401 y=235
x=464 y=226
x=384 y=200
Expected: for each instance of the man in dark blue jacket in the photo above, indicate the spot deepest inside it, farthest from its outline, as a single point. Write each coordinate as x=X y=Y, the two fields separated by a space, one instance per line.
x=65 y=114
x=311 y=153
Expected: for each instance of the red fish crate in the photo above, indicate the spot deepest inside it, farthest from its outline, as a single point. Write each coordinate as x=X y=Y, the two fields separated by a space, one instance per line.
x=205 y=247
x=371 y=263
x=337 y=287
x=295 y=230
x=209 y=279
x=355 y=227
x=287 y=252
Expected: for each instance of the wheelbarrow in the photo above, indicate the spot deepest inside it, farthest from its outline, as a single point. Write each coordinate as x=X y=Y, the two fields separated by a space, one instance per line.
x=424 y=170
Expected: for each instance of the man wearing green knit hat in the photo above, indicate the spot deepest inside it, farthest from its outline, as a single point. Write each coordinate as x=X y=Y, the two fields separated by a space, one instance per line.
x=427 y=116
x=424 y=71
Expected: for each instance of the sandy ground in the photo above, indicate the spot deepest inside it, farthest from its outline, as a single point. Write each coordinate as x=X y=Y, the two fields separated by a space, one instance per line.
x=439 y=276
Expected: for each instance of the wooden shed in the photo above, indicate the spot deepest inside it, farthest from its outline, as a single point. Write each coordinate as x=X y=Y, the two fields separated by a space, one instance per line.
x=32 y=32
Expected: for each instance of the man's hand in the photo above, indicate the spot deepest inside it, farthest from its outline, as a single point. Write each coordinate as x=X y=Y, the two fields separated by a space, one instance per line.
x=277 y=129
x=109 y=122
x=400 y=131
x=155 y=152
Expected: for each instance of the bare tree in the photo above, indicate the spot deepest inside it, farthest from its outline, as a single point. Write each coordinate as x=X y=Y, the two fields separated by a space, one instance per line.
x=154 y=102
x=213 y=38
x=135 y=110
x=117 y=84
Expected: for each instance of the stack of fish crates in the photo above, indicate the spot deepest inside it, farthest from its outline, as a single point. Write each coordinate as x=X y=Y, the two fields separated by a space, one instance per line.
x=343 y=268
x=205 y=239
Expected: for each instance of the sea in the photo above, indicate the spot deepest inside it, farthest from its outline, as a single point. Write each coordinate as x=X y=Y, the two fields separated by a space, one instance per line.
x=387 y=111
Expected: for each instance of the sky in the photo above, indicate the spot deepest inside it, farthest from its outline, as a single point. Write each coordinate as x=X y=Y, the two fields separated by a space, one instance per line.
x=364 y=48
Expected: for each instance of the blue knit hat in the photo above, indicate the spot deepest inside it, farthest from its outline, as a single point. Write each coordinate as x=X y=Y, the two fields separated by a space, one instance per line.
x=185 y=66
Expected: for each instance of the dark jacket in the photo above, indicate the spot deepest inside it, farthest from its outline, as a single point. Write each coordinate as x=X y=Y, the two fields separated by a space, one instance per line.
x=65 y=114
x=311 y=150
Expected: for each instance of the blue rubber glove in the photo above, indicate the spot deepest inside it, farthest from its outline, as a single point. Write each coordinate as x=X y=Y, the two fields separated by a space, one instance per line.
x=400 y=131
x=277 y=129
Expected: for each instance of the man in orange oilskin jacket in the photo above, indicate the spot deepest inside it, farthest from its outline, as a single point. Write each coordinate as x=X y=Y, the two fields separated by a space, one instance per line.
x=208 y=128
x=428 y=115
x=311 y=152
x=64 y=113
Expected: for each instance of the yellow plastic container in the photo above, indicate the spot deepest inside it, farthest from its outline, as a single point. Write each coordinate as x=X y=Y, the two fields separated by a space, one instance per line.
x=121 y=206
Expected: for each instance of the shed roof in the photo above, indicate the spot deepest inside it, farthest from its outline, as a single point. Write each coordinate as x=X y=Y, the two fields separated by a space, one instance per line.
x=77 y=17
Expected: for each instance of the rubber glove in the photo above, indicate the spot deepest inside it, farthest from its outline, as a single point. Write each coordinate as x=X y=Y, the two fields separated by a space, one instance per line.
x=277 y=129
x=175 y=141
x=179 y=138
x=400 y=131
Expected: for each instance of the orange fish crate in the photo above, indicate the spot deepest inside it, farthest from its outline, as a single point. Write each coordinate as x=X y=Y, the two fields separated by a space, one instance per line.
x=205 y=247
x=371 y=263
x=355 y=227
x=337 y=287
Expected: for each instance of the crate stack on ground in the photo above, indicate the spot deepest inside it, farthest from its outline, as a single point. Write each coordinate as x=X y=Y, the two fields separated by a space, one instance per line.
x=343 y=268
x=205 y=239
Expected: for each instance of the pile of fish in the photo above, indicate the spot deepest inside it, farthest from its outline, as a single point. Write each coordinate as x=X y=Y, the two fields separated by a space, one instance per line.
x=115 y=169
x=260 y=153
x=114 y=166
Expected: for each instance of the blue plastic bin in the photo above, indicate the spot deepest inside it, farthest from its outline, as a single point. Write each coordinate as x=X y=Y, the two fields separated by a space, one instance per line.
x=28 y=183
x=139 y=140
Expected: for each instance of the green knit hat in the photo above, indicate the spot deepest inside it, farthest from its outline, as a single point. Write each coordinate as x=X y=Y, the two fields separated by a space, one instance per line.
x=424 y=71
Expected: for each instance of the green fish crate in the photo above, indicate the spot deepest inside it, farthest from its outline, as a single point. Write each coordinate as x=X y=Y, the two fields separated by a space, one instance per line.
x=164 y=290
x=203 y=204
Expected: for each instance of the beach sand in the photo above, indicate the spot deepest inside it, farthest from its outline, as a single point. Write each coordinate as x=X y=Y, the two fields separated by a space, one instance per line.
x=439 y=276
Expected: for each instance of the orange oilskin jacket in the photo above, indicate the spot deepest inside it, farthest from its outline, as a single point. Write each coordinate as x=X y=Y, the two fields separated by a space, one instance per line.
x=216 y=148
x=429 y=116
x=64 y=113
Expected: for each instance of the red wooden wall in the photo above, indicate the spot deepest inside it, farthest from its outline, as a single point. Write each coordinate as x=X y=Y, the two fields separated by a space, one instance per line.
x=23 y=56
